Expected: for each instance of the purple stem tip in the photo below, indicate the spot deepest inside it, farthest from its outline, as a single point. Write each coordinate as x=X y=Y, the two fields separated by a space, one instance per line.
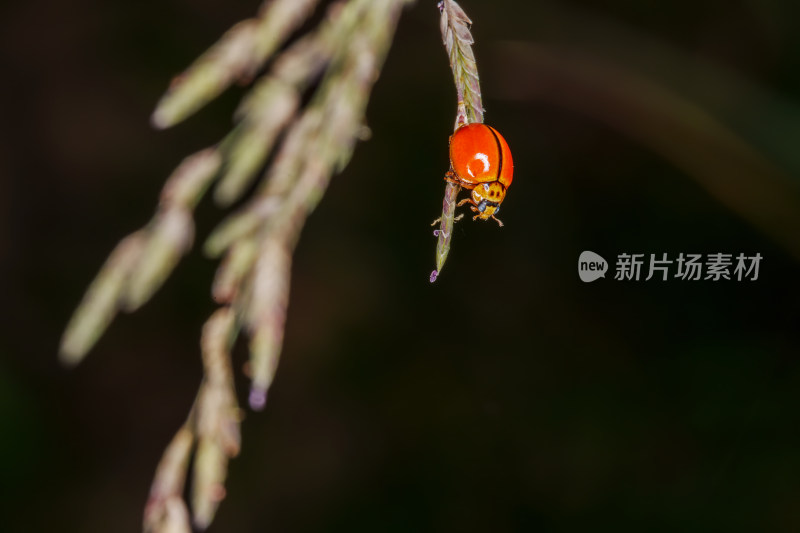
x=258 y=399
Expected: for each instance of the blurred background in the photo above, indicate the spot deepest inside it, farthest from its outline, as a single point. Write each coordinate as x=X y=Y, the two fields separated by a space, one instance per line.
x=544 y=404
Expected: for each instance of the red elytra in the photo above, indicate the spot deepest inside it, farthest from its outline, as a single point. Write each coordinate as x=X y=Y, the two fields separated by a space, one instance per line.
x=480 y=161
x=479 y=154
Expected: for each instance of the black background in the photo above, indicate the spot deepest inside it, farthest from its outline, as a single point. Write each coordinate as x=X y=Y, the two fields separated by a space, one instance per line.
x=507 y=396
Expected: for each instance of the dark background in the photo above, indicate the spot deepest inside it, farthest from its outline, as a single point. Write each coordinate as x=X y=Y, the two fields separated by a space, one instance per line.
x=507 y=396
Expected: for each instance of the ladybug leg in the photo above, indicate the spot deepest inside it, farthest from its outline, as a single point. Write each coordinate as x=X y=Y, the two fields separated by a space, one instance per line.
x=497 y=220
x=456 y=219
x=453 y=178
x=466 y=201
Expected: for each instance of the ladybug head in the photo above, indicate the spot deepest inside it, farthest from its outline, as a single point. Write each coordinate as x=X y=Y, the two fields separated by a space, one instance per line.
x=487 y=198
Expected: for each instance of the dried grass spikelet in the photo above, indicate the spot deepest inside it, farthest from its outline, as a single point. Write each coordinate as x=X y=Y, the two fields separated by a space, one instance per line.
x=339 y=61
x=170 y=235
x=266 y=314
x=143 y=260
x=266 y=112
x=101 y=302
x=212 y=430
x=457 y=38
x=330 y=127
x=166 y=511
x=235 y=266
x=217 y=419
x=236 y=57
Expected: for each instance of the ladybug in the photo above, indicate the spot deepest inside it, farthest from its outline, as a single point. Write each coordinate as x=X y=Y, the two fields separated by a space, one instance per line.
x=480 y=160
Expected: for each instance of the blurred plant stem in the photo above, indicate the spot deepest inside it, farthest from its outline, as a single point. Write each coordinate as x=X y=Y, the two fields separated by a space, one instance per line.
x=734 y=171
x=457 y=39
x=339 y=62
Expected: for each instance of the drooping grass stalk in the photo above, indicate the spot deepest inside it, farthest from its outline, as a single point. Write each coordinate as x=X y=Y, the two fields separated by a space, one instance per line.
x=339 y=61
x=454 y=25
